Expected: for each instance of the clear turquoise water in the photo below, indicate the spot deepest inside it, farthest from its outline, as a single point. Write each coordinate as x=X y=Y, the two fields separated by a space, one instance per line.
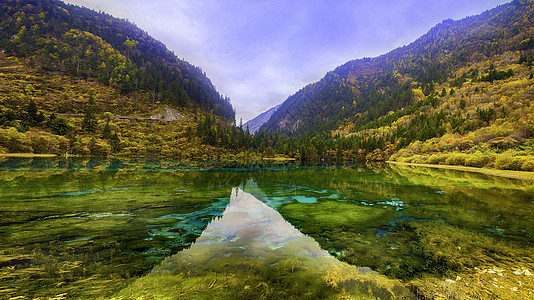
x=91 y=227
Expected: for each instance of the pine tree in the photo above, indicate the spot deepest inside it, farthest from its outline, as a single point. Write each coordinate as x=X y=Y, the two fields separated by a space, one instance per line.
x=115 y=143
x=31 y=110
x=106 y=132
x=89 y=120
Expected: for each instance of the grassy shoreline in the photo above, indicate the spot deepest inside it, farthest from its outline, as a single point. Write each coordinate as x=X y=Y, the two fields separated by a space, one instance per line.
x=502 y=173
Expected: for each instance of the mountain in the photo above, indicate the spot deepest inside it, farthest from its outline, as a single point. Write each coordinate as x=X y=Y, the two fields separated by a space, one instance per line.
x=76 y=81
x=86 y=44
x=365 y=90
x=255 y=124
x=461 y=94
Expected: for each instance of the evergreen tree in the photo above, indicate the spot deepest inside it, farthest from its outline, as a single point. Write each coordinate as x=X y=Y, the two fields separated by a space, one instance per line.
x=115 y=143
x=58 y=125
x=31 y=113
x=89 y=120
x=106 y=132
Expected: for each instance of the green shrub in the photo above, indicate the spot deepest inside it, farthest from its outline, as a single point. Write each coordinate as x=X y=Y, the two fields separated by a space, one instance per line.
x=456 y=159
x=404 y=153
x=14 y=141
x=99 y=148
x=79 y=148
x=43 y=143
x=477 y=159
x=506 y=162
x=528 y=165
x=429 y=146
x=418 y=159
x=436 y=159
x=403 y=159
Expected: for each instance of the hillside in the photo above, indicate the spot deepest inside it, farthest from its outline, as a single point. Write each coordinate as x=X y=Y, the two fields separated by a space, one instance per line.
x=57 y=37
x=465 y=86
x=75 y=81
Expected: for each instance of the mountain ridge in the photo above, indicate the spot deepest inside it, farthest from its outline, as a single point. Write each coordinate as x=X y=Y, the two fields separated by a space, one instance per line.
x=358 y=72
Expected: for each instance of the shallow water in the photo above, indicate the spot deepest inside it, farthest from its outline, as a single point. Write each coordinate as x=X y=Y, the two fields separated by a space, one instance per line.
x=91 y=228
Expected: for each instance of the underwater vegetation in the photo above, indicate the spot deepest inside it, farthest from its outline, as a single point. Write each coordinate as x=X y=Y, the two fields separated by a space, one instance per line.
x=251 y=252
x=96 y=229
x=440 y=234
x=86 y=233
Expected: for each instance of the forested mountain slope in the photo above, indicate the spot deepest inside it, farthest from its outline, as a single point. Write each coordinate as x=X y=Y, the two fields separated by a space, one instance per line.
x=83 y=43
x=464 y=86
x=76 y=81
x=361 y=91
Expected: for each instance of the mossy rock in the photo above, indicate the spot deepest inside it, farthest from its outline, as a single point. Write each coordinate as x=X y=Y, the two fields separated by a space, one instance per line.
x=337 y=214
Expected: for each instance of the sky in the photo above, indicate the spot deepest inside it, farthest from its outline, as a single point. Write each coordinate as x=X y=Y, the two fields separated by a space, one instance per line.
x=259 y=52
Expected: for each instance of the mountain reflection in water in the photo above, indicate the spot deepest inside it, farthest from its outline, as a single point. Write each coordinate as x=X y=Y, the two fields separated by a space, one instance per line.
x=251 y=251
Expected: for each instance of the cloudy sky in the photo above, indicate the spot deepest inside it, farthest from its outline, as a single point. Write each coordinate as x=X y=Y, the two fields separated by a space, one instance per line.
x=259 y=52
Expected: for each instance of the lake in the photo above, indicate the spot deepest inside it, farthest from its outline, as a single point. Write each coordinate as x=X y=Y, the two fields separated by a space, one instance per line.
x=139 y=228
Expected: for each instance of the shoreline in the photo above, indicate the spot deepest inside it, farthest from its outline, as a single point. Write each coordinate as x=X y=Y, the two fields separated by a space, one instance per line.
x=26 y=155
x=279 y=159
x=502 y=173
x=522 y=175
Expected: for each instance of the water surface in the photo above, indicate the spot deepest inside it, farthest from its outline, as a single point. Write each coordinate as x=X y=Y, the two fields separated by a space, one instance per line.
x=92 y=228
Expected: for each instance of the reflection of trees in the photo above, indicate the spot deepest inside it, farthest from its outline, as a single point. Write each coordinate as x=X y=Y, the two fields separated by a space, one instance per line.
x=431 y=176
x=465 y=199
x=375 y=184
x=157 y=182
x=104 y=186
x=483 y=200
x=99 y=213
